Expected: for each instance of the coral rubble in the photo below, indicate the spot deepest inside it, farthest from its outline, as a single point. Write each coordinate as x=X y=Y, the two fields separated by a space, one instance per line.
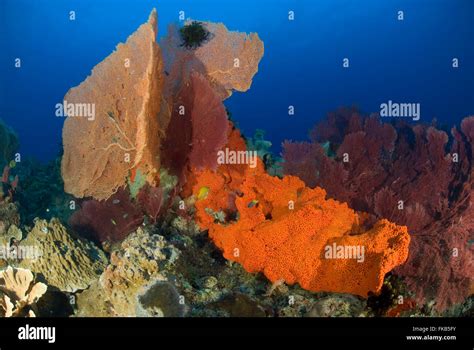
x=337 y=305
x=160 y=299
x=9 y=218
x=142 y=260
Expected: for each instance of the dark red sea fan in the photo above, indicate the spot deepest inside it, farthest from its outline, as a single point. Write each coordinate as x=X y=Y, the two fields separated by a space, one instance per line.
x=310 y=163
x=337 y=125
x=387 y=205
x=209 y=120
x=422 y=169
x=410 y=161
x=404 y=173
x=440 y=266
x=198 y=128
x=301 y=159
x=111 y=220
x=358 y=168
x=179 y=134
x=152 y=201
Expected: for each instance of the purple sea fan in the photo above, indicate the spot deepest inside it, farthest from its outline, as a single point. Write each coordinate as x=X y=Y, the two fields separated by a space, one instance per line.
x=198 y=128
x=152 y=201
x=310 y=163
x=177 y=144
x=209 y=123
x=110 y=220
x=406 y=174
x=337 y=125
x=440 y=266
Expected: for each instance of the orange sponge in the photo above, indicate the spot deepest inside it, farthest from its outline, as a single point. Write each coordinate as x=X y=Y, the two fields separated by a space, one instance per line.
x=293 y=233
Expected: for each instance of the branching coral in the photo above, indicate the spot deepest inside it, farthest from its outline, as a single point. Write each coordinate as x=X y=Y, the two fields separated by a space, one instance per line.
x=8 y=184
x=403 y=173
x=18 y=293
x=283 y=229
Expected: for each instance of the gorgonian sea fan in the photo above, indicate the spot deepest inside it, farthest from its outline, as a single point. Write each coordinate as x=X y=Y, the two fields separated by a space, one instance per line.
x=177 y=144
x=386 y=167
x=110 y=220
x=310 y=163
x=198 y=127
x=152 y=200
x=209 y=123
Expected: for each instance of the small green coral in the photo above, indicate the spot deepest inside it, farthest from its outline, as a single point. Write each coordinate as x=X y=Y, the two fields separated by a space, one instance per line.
x=259 y=144
x=136 y=184
x=167 y=181
x=262 y=147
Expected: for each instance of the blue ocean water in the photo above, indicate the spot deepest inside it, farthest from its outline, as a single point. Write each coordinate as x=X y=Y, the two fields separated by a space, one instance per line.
x=406 y=61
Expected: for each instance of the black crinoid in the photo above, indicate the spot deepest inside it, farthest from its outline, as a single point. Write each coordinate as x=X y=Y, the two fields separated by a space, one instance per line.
x=194 y=34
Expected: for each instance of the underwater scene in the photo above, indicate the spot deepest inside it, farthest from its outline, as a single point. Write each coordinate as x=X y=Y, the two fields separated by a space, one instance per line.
x=287 y=158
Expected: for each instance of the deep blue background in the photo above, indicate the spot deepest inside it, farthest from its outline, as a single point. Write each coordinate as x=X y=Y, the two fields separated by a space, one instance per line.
x=407 y=61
